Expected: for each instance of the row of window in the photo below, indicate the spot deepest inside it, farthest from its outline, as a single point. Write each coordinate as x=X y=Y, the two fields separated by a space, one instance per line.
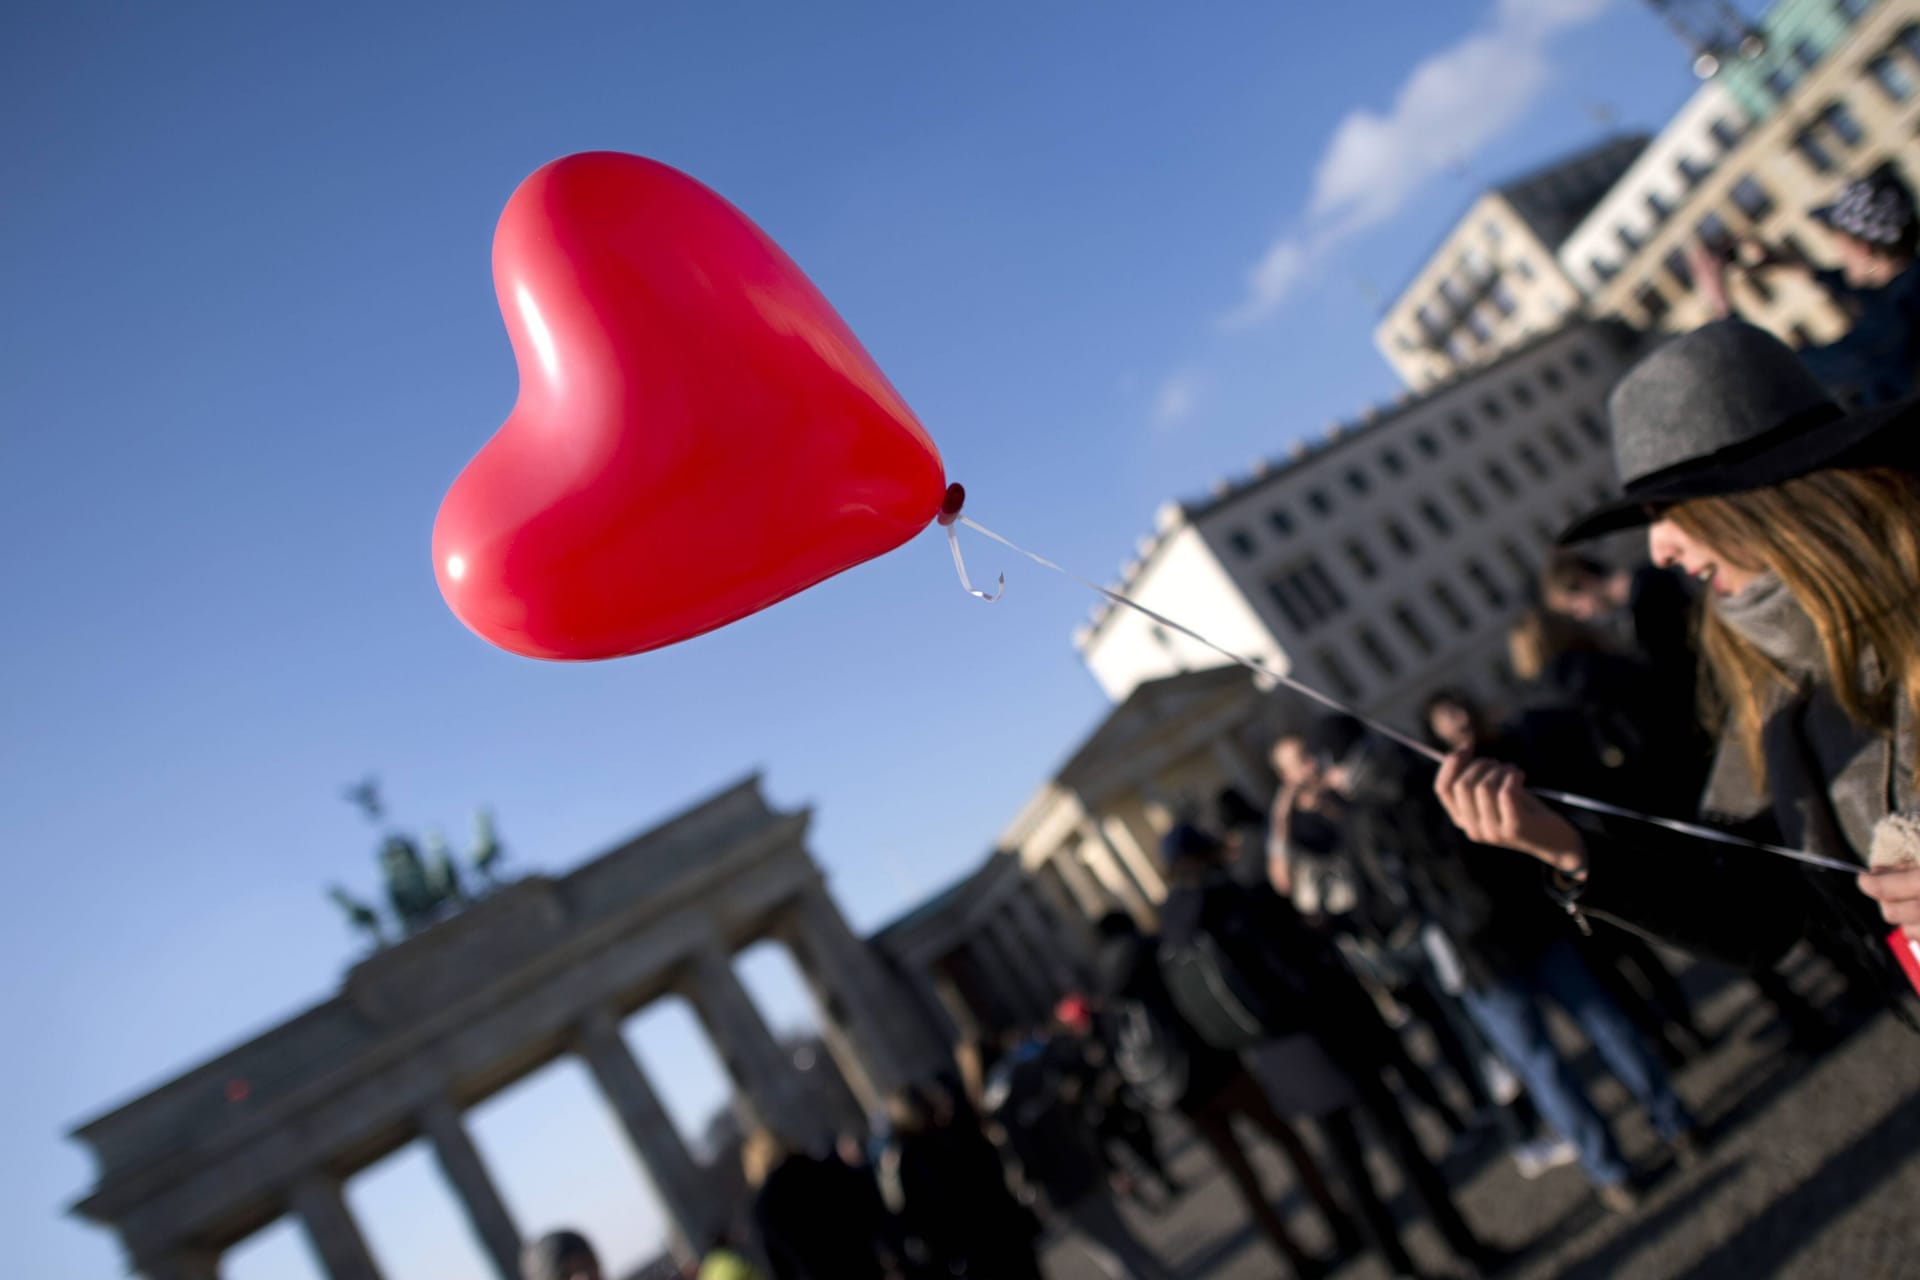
x=1498 y=475
x=1749 y=196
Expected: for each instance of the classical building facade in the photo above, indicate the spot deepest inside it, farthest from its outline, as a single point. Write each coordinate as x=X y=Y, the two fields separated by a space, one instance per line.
x=998 y=949
x=431 y=1026
x=1388 y=558
x=1495 y=282
x=1835 y=93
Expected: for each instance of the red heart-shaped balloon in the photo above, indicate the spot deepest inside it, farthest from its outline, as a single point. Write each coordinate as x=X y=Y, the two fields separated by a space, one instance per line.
x=698 y=434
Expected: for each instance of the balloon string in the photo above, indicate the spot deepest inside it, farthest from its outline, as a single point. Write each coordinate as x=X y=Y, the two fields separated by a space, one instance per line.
x=1333 y=704
x=960 y=565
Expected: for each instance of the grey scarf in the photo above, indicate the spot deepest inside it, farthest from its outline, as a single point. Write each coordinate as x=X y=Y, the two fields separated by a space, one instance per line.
x=1830 y=807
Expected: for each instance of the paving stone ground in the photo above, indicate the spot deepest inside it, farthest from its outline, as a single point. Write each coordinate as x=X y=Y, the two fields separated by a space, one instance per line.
x=1812 y=1170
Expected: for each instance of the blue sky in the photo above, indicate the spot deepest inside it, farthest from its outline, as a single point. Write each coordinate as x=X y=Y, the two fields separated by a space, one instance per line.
x=1108 y=252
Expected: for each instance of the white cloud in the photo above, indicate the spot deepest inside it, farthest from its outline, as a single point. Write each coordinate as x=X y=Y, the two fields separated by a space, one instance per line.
x=1174 y=402
x=1450 y=106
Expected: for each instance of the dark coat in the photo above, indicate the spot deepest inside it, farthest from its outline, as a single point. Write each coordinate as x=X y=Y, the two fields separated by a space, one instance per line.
x=1128 y=968
x=801 y=1213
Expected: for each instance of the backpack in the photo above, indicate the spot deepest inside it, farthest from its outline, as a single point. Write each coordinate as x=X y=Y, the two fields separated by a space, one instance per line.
x=1148 y=1054
x=1217 y=999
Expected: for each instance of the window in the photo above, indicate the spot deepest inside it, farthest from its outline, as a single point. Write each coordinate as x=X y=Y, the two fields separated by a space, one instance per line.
x=1680 y=269
x=1490 y=590
x=1910 y=37
x=1468 y=497
x=1363 y=563
x=1517 y=560
x=1491 y=408
x=1462 y=428
x=1781 y=80
x=1652 y=302
x=1457 y=350
x=1241 y=542
x=1600 y=491
x=1582 y=362
x=1725 y=132
x=1282 y=522
x=1522 y=395
x=1894 y=80
x=1307 y=594
x=1531 y=460
x=1477 y=326
x=1523 y=268
x=1629 y=242
x=1426 y=444
x=1376 y=651
x=1398 y=536
x=1391 y=462
x=1357 y=480
x=1813 y=153
x=1852 y=9
x=1450 y=606
x=1543 y=533
x=1492 y=229
x=1318 y=502
x=1752 y=199
x=1337 y=674
x=1410 y=627
x=1806 y=55
x=1502 y=480
x=1550 y=375
x=1591 y=427
x=1436 y=518
x=1657 y=206
x=1502 y=298
x=1714 y=234
x=1431 y=319
x=1561 y=445
x=1837 y=118
x=1603 y=270
x=1692 y=172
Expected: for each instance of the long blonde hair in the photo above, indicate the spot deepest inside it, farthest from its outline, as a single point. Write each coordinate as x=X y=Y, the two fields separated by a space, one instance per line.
x=1847 y=545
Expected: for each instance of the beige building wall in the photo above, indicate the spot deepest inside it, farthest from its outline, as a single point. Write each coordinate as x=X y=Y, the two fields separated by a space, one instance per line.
x=1796 y=159
x=1491 y=286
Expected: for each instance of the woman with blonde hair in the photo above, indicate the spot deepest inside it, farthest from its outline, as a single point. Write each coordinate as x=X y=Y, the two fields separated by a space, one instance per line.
x=1801 y=521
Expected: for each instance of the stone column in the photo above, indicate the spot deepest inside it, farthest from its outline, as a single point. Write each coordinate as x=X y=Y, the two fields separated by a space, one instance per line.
x=680 y=1183
x=460 y=1162
x=1133 y=851
x=1240 y=773
x=846 y=977
x=1092 y=898
x=772 y=1088
x=1056 y=946
x=1026 y=956
x=1104 y=861
x=337 y=1243
x=184 y=1264
x=1009 y=998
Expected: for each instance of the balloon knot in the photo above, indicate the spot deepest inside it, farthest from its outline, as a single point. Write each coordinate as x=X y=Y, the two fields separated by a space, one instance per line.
x=951 y=504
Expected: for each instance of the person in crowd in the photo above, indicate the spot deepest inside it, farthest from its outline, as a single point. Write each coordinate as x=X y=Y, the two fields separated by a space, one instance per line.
x=723 y=1261
x=1122 y=1129
x=1875 y=232
x=855 y=1183
x=1244 y=971
x=1358 y=897
x=944 y=1179
x=800 y=1212
x=1517 y=952
x=1630 y=745
x=1166 y=1062
x=1244 y=828
x=560 y=1255
x=1031 y=1098
x=1645 y=611
x=1802 y=522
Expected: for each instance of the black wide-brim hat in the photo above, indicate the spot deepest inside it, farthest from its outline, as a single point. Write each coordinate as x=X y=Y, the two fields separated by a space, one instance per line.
x=1729 y=408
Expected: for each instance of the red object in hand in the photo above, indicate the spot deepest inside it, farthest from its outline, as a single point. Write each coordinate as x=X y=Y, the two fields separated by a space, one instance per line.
x=698 y=433
x=1907 y=952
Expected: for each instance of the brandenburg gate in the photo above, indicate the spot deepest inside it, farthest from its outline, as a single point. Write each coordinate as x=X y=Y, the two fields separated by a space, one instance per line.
x=544 y=966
